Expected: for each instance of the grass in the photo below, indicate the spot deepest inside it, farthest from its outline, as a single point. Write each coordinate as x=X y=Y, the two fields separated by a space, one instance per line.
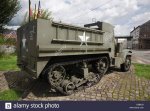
x=142 y=70
x=8 y=62
x=10 y=94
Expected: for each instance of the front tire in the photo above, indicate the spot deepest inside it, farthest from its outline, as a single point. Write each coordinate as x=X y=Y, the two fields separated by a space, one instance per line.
x=126 y=66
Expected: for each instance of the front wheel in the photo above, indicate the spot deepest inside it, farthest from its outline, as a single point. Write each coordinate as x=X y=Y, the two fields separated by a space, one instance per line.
x=126 y=66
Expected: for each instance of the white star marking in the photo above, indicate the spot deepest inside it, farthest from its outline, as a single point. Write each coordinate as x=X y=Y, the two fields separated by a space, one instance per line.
x=24 y=42
x=83 y=39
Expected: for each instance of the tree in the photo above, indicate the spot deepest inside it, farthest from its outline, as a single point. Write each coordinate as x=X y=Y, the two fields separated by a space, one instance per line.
x=8 y=9
x=45 y=14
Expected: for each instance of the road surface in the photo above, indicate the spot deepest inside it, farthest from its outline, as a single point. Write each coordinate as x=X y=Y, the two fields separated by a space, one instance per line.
x=140 y=56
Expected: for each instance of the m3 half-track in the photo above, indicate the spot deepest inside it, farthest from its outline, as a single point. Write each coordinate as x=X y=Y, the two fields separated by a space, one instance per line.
x=71 y=57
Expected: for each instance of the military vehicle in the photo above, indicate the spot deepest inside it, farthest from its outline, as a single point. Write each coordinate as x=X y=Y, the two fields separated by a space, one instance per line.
x=71 y=57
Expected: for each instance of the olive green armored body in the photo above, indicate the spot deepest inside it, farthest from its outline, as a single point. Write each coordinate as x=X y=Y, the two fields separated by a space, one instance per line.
x=70 y=57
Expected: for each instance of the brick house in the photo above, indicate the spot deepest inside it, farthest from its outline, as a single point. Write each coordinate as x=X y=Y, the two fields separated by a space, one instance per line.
x=10 y=34
x=141 y=36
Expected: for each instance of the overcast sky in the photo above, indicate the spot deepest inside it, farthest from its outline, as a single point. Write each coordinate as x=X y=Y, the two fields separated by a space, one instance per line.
x=123 y=14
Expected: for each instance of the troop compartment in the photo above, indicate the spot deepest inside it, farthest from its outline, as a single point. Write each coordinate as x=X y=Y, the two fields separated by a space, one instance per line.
x=40 y=40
